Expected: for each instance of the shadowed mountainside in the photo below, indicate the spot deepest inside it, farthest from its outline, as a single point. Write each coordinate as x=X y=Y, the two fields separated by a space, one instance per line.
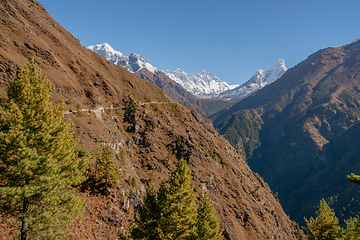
x=291 y=131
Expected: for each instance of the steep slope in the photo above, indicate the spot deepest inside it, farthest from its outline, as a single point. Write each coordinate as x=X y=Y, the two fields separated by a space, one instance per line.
x=259 y=80
x=147 y=131
x=136 y=64
x=291 y=131
x=203 y=85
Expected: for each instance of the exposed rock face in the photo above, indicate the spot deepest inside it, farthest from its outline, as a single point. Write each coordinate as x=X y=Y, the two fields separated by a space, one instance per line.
x=147 y=130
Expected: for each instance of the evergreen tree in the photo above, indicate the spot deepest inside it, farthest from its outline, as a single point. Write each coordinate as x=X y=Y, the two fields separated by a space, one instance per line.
x=325 y=226
x=352 y=231
x=208 y=223
x=146 y=222
x=354 y=178
x=38 y=166
x=106 y=169
x=171 y=213
x=177 y=203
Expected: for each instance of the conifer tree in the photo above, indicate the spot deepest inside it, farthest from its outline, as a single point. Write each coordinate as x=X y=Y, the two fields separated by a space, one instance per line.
x=352 y=230
x=106 y=168
x=354 y=178
x=38 y=166
x=146 y=223
x=171 y=213
x=325 y=226
x=177 y=203
x=208 y=223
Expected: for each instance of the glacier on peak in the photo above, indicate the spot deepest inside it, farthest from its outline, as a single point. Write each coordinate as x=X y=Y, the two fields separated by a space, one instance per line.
x=133 y=63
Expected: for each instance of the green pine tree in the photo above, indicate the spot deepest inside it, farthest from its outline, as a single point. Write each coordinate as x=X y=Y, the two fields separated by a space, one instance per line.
x=177 y=203
x=208 y=223
x=146 y=223
x=354 y=178
x=106 y=169
x=38 y=166
x=352 y=230
x=325 y=226
x=171 y=213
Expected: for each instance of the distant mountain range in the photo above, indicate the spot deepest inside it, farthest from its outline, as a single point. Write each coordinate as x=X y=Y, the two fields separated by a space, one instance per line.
x=202 y=85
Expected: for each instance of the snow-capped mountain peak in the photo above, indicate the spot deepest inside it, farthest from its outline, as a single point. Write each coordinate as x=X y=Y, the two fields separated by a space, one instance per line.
x=133 y=63
x=259 y=80
x=107 y=52
x=204 y=84
x=275 y=71
x=136 y=63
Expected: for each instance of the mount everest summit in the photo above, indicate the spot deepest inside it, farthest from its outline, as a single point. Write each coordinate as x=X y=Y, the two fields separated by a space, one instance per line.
x=202 y=85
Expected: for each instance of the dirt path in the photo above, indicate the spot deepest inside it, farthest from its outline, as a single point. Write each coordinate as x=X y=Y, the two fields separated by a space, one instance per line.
x=98 y=109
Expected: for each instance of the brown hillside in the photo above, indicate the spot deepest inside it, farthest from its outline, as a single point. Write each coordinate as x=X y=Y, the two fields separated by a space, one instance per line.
x=147 y=140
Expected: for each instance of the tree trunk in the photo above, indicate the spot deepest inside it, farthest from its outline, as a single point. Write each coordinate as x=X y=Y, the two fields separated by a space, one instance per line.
x=24 y=223
x=24 y=228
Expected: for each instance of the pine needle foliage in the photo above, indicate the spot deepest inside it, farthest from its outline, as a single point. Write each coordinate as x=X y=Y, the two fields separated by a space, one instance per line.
x=325 y=226
x=208 y=223
x=178 y=204
x=352 y=230
x=38 y=165
x=147 y=220
x=354 y=178
x=106 y=170
x=171 y=212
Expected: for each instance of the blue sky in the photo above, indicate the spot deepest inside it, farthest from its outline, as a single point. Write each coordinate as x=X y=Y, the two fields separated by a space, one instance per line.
x=230 y=38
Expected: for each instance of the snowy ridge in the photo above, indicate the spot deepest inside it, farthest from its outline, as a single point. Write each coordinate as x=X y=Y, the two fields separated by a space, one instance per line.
x=355 y=43
x=203 y=85
x=133 y=63
x=136 y=63
x=259 y=80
